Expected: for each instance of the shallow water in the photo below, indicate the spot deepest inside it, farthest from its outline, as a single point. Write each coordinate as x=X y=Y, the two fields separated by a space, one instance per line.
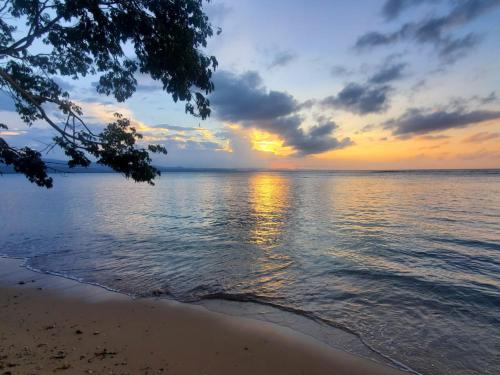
x=410 y=262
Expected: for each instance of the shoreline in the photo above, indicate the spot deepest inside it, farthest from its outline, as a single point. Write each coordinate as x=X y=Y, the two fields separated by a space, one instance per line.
x=50 y=323
x=333 y=336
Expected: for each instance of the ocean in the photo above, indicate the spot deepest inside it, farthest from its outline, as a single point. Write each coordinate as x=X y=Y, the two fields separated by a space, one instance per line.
x=407 y=263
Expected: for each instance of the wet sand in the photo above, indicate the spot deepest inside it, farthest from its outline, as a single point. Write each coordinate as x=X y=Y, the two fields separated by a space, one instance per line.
x=52 y=325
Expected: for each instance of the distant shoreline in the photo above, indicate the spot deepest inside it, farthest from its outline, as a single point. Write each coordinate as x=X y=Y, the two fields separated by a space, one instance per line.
x=60 y=167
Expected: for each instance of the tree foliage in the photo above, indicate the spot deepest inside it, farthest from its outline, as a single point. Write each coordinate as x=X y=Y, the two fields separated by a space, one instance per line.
x=114 y=40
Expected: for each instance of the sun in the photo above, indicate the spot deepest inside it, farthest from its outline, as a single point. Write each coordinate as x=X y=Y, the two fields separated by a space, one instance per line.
x=267 y=142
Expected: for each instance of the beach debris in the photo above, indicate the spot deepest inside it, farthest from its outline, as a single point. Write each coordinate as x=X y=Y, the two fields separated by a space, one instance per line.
x=60 y=355
x=158 y=292
x=104 y=353
x=78 y=332
x=96 y=333
x=52 y=326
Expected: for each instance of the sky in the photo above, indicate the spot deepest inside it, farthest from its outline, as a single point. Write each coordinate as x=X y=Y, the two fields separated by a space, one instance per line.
x=322 y=84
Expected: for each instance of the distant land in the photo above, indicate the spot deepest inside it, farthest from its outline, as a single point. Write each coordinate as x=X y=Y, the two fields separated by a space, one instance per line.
x=60 y=166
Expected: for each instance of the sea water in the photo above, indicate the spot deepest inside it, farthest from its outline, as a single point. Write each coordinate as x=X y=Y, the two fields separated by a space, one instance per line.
x=408 y=262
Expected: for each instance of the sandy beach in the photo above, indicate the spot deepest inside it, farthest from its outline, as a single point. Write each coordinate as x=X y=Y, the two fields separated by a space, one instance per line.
x=51 y=325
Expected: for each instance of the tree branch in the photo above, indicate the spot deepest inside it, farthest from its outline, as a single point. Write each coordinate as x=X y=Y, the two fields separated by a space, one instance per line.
x=32 y=99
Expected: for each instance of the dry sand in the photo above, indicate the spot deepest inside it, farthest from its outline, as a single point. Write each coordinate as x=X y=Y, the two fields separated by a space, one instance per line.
x=54 y=325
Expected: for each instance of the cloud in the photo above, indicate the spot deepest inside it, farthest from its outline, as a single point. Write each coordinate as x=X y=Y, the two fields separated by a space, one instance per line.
x=282 y=58
x=176 y=128
x=316 y=140
x=472 y=101
x=183 y=137
x=491 y=98
x=451 y=49
x=239 y=98
x=360 y=98
x=434 y=137
x=418 y=121
x=148 y=87
x=375 y=39
x=481 y=137
x=464 y=12
x=341 y=71
x=366 y=129
x=389 y=73
x=243 y=99
x=393 y=8
x=433 y=30
x=8 y=133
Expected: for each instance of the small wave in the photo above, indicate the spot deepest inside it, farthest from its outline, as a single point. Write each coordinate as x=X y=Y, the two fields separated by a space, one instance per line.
x=441 y=288
x=261 y=300
x=468 y=242
x=237 y=297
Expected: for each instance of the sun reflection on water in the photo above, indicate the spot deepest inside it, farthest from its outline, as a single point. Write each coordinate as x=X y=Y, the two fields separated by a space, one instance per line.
x=269 y=197
x=269 y=202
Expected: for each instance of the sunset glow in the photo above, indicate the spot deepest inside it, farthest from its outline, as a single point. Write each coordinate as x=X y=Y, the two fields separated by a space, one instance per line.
x=267 y=142
x=361 y=95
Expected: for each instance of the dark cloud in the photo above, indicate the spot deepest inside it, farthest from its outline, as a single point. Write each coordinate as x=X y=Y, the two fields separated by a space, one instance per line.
x=481 y=137
x=464 y=12
x=451 y=49
x=360 y=98
x=318 y=139
x=389 y=73
x=282 y=58
x=418 y=121
x=375 y=39
x=434 y=30
x=244 y=100
x=393 y=8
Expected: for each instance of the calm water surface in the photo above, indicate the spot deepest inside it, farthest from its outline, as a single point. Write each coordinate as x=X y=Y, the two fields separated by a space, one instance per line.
x=409 y=262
